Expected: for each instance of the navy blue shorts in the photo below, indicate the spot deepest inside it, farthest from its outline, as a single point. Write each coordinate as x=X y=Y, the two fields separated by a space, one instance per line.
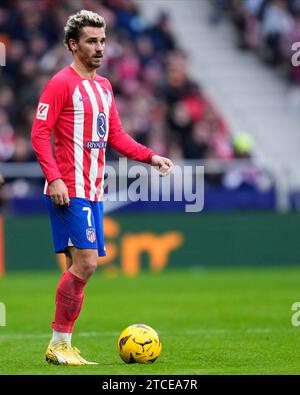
x=80 y=224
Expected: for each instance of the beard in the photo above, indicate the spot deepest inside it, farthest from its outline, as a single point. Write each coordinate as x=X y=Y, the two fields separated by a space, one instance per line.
x=93 y=63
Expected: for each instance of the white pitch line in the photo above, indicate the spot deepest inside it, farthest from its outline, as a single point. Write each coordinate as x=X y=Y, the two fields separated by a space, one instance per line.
x=24 y=336
x=200 y=331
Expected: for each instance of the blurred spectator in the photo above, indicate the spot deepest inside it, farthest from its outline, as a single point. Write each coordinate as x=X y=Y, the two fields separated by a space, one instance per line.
x=2 y=198
x=219 y=10
x=161 y=34
x=247 y=174
x=243 y=145
x=246 y=17
x=7 y=137
x=276 y=24
x=269 y=27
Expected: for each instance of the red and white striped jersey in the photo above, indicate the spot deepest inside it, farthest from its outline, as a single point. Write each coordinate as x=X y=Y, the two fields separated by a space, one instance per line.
x=83 y=116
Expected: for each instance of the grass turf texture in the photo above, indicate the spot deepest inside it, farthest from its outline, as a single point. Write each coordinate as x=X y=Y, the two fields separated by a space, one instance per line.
x=235 y=321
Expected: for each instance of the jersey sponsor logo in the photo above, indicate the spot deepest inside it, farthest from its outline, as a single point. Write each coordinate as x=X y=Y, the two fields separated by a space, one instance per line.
x=42 y=111
x=91 y=235
x=96 y=144
x=101 y=125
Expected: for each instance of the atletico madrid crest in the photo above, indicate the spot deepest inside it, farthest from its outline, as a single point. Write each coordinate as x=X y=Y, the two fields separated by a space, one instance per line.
x=91 y=235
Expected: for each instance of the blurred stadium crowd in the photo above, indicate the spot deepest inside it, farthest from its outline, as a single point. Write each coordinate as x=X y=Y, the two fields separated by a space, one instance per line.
x=159 y=104
x=267 y=27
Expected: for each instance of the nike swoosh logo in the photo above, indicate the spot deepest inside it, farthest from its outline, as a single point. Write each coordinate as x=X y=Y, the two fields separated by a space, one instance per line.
x=60 y=359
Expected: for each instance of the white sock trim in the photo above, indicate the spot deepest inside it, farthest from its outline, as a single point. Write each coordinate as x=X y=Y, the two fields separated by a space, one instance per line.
x=58 y=337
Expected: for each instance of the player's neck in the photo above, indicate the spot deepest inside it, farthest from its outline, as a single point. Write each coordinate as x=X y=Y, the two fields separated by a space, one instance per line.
x=82 y=70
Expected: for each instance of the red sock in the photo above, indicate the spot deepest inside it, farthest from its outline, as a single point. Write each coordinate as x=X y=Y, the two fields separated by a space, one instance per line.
x=69 y=299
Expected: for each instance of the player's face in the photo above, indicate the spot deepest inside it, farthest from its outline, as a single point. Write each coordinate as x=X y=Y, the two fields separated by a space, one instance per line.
x=90 y=47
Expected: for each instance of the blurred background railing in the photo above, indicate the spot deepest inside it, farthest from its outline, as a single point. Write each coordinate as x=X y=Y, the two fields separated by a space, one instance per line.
x=228 y=186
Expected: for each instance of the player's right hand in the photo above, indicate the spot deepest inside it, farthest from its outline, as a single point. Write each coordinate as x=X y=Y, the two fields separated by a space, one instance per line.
x=59 y=193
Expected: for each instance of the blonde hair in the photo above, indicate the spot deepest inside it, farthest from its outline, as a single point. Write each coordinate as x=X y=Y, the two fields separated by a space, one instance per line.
x=77 y=21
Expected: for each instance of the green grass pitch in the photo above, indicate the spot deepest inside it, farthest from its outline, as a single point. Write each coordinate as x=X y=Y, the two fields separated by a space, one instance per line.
x=217 y=321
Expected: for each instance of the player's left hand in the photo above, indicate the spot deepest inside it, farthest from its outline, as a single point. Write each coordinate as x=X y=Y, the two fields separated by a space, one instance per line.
x=163 y=165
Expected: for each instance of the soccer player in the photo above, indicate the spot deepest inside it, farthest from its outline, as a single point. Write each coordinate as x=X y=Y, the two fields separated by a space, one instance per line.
x=78 y=105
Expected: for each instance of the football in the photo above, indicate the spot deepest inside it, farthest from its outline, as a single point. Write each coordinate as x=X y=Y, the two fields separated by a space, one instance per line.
x=139 y=343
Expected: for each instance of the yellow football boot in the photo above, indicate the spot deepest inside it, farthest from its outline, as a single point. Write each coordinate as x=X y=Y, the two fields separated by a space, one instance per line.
x=81 y=359
x=62 y=354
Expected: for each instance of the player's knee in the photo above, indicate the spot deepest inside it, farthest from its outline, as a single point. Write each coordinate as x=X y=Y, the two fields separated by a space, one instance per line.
x=86 y=262
x=90 y=266
x=86 y=269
